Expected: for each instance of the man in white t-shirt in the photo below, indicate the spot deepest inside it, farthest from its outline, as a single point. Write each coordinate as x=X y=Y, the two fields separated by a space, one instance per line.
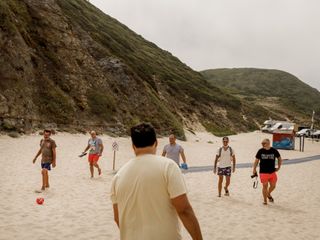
x=149 y=194
x=225 y=155
x=174 y=150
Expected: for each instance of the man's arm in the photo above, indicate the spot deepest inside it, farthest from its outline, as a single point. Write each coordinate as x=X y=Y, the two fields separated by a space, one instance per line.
x=116 y=214
x=234 y=162
x=183 y=156
x=54 y=154
x=215 y=164
x=164 y=153
x=187 y=216
x=255 y=164
x=35 y=158
x=87 y=148
x=279 y=163
x=101 y=148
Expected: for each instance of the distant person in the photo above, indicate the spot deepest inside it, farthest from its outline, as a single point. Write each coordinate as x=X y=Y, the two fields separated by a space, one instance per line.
x=149 y=194
x=267 y=157
x=95 y=147
x=226 y=160
x=48 y=157
x=173 y=151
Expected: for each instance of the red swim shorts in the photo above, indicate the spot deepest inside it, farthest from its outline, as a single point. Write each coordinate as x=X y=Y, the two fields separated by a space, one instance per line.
x=93 y=158
x=268 y=177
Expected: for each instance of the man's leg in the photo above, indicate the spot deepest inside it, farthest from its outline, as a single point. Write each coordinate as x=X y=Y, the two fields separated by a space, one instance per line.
x=271 y=188
x=273 y=182
x=265 y=192
x=44 y=179
x=95 y=163
x=91 y=169
x=47 y=179
x=228 y=178
x=220 y=184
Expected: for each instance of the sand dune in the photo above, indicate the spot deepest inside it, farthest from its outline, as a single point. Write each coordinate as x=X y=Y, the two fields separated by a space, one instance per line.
x=77 y=207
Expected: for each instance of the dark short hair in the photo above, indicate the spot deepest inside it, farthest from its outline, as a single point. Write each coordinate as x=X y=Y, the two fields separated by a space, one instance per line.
x=225 y=138
x=47 y=131
x=143 y=135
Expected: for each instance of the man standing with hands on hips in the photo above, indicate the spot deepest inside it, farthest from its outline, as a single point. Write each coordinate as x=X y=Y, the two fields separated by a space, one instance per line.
x=267 y=157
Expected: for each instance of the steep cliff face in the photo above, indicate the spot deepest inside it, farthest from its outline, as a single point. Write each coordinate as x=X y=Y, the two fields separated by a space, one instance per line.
x=66 y=64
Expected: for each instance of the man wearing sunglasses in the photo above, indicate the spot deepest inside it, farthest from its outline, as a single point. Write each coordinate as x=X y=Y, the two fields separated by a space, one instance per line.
x=267 y=156
x=225 y=158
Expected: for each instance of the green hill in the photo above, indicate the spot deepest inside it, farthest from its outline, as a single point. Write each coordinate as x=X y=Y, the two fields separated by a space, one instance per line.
x=66 y=64
x=276 y=91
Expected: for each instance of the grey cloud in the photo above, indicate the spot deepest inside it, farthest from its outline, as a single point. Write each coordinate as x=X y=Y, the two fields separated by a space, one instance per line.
x=277 y=34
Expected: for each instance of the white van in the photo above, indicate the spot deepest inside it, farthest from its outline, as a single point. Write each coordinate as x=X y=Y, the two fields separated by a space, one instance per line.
x=282 y=126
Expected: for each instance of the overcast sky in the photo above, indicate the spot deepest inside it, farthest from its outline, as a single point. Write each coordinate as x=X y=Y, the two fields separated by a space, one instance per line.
x=276 y=34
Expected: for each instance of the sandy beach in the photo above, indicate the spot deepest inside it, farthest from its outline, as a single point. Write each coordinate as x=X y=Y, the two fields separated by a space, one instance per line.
x=77 y=207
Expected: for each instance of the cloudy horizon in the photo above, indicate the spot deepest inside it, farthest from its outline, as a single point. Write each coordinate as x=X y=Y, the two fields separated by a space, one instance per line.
x=207 y=34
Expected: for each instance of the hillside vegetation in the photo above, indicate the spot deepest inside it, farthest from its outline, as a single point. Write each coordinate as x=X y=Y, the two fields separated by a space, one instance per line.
x=65 y=64
x=277 y=91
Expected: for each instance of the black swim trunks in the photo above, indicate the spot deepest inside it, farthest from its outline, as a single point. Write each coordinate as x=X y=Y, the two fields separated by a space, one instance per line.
x=224 y=171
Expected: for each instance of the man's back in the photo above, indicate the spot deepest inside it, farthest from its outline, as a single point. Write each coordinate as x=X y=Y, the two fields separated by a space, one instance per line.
x=143 y=190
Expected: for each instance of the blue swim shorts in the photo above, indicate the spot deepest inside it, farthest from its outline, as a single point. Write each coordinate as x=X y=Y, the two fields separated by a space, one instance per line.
x=46 y=166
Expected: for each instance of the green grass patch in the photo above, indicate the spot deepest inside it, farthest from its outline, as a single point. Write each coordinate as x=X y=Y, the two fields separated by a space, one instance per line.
x=219 y=131
x=102 y=105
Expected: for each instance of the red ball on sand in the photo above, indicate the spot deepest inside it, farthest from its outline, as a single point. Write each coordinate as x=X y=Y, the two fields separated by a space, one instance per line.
x=40 y=201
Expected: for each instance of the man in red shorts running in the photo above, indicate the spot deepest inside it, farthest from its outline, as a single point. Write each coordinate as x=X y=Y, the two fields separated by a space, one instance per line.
x=267 y=157
x=95 y=148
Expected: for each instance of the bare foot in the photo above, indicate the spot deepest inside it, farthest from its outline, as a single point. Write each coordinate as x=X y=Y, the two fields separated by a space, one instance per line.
x=99 y=170
x=271 y=199
x=226 y=191
x=40 y=190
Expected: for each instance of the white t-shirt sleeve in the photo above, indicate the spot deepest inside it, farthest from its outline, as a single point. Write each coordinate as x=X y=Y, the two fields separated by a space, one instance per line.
x=175 y=181
x=113 y=195
x=181 y=149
